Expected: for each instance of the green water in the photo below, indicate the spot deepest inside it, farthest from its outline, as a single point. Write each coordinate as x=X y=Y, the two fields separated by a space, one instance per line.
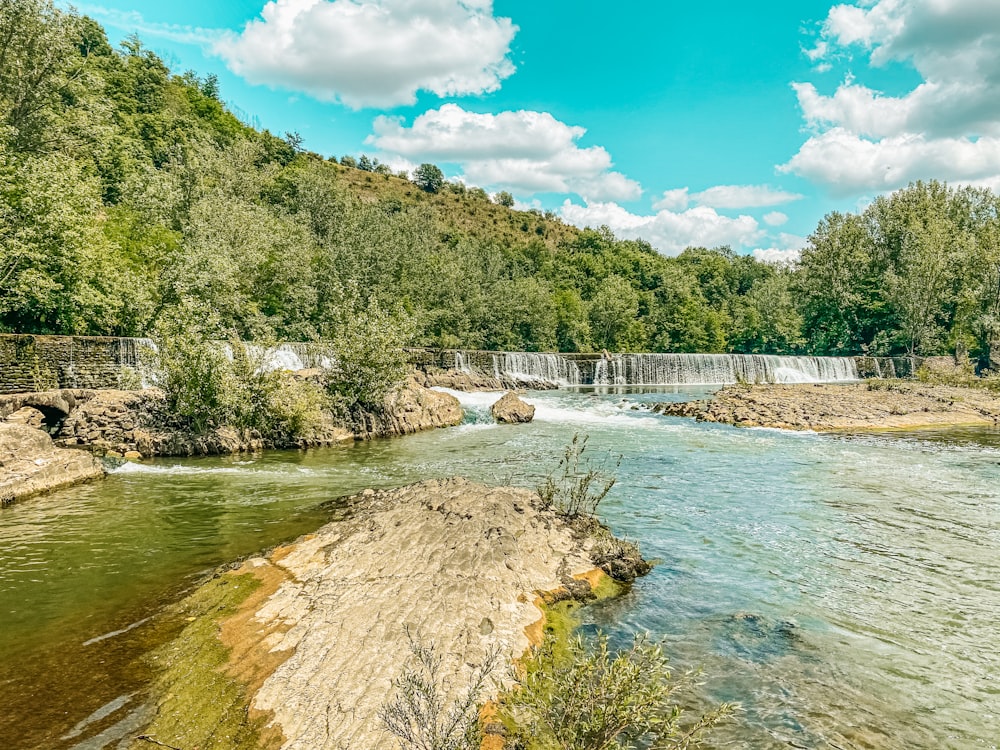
x=845 y=589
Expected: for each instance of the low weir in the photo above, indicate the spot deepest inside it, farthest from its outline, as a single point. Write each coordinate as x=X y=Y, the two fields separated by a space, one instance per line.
x=29 y=362
x=654 y=369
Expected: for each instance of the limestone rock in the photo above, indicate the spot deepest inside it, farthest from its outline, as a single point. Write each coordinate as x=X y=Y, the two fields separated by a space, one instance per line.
x=29 y=416
x=410 y=409
x=512 y=410
x=822 y=407
x=30 y=464
x=321 y=640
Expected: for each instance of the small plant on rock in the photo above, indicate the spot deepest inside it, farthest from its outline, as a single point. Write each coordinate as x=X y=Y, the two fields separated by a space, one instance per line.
x=428 y=712
x=577 y=486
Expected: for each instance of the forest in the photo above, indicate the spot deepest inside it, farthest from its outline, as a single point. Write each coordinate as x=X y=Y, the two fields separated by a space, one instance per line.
x=132 y=198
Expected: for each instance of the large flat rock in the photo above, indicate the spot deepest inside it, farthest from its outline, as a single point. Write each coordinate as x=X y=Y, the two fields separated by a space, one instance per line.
x=318 y=644
x=861 y=406
x=30 y=464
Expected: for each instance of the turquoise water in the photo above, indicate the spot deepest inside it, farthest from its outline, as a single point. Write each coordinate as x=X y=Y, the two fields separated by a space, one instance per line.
x=846 y=590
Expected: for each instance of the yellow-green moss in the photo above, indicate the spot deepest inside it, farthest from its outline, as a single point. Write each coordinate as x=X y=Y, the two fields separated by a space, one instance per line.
x=199 y=705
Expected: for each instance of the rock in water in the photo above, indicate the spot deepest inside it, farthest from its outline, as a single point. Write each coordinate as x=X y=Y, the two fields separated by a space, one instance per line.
x=512 y=410
x=313 y=635
x=31 y=464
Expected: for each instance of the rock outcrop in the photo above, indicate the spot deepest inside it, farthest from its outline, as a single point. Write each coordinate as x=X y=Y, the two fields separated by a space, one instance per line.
x=30 y=464
x=879 y=405
x=413 y=408
x=322 y=629
x=457 y=380
x=118 y=423
x=512 y=410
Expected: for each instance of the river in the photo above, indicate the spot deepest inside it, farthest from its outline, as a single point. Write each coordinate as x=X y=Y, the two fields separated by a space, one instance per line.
x=844 y=589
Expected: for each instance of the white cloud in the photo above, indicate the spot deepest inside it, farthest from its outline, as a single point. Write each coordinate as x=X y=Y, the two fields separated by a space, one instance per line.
x=775 y=219
x=133 y=22
x=673 y=200
x=668 y=231
x=849 y=164
x=525 y=152
x=946 y=127
x=777 y=256
x=743 y=196
x=787 y=251
x=374 y=53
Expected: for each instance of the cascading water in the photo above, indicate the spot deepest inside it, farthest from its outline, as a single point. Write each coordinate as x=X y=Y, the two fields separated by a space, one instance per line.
x=531 y=367
x=721 y=369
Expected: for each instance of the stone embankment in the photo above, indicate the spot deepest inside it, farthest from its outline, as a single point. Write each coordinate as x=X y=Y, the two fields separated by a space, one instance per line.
x=135 y=424
x=860 y=406
x=30 y=464
x=308 y=640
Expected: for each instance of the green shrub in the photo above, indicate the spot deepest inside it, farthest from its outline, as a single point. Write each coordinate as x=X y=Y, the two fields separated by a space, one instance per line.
x=589 y=698
x=369 y=361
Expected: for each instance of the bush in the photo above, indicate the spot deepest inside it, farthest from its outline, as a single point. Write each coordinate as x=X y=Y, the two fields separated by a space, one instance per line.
x=588 y=698
x=577 y=486
x=368 y=359
x=423 y=715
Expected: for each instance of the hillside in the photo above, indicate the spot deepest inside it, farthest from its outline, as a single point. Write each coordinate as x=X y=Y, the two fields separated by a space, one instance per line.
x=132 y=199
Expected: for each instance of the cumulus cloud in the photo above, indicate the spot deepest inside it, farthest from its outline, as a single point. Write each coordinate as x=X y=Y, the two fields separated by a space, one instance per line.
x=525 y=152
x=849 y=164
x=946 y=127
x=668 y=231
x=374 y=53
x=787 y=250
x=775 y=219
x=743 y=196
x=725 y=196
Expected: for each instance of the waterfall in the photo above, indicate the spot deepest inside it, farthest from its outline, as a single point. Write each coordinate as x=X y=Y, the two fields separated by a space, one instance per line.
x=721 y=369
x=531 y=367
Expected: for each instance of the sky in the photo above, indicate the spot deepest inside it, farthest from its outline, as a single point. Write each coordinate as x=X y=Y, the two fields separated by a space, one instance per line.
x=681 y=123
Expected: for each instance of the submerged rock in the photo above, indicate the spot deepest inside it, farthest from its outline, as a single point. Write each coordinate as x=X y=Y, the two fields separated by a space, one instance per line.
x=30 y=464
x=310 y=655
x=512 y=410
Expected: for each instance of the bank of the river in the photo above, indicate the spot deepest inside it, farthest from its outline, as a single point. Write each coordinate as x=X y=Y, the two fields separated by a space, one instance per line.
x=875 y=405
x=300 y=648
x=136 y=424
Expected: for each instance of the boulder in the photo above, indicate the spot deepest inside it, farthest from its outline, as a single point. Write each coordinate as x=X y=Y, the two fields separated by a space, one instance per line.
x=29 y=416
x=30 y=464
x=512 y=410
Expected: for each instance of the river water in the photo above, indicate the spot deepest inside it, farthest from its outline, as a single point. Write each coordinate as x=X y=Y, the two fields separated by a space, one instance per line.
x=845 y=590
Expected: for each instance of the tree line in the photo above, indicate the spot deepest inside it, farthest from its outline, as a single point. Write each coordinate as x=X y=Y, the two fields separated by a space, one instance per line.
x=131 y=196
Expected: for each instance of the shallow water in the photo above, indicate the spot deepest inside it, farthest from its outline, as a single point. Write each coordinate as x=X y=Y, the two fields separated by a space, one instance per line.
x=846 y=590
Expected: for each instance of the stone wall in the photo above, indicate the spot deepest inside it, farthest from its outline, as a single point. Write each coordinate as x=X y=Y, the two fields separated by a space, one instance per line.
x=38 y=363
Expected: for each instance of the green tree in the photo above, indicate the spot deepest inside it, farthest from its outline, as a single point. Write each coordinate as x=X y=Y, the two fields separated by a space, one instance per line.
x=428 y=177
x=505 y=199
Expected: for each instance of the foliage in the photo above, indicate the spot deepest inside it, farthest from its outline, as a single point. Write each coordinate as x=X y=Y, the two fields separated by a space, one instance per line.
x=577 y=486
x=126 y=189
x=426 y=713
x=368 y=358
x=592 y=698
x=428 y=177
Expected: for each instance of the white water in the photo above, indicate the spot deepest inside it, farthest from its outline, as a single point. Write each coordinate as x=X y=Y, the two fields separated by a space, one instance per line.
x=721 y=369
x=528 y=367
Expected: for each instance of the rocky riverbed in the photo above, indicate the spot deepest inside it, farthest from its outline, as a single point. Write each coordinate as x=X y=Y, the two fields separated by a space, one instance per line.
x=299 y=648
x=823 y=408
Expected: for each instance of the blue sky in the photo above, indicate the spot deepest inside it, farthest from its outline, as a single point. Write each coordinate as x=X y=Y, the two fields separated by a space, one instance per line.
x=683 y=123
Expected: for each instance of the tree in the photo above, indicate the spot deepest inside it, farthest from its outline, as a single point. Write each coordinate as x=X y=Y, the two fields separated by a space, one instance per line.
x=505 y=199
x=428 y=177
